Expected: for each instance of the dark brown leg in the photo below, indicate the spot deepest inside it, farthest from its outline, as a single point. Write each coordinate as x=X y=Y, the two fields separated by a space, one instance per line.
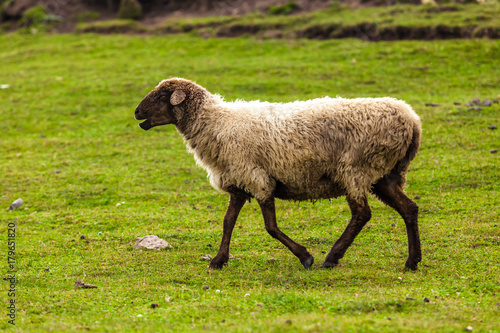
x=236 y=202
x=390 y=192
x=269 y=214
x=361 y=214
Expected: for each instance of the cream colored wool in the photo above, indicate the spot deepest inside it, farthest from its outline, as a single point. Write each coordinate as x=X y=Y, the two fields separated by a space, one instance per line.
x=320 y=148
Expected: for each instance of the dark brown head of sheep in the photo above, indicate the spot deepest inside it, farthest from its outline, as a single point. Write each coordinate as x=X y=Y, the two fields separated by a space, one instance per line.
x=157 y=107
x=169 y=103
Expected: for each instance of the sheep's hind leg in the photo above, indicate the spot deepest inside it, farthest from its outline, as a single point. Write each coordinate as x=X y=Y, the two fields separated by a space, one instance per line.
x=269 y=213
x=236 y=202
x=388 y=190
x=361 y=214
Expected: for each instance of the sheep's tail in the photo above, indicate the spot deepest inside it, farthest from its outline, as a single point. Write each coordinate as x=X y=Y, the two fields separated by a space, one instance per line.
x=401 y=167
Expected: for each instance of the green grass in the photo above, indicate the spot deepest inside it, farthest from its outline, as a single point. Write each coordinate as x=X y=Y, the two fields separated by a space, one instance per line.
x=72 y=150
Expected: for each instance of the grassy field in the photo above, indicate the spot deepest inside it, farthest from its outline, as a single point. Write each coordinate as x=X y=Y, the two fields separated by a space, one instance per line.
x=72 y=150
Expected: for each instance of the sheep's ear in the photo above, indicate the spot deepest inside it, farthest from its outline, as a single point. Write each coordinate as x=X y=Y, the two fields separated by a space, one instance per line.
x=177 y=97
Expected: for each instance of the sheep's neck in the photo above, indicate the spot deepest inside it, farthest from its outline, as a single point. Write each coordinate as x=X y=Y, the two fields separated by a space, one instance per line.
x=201 y=138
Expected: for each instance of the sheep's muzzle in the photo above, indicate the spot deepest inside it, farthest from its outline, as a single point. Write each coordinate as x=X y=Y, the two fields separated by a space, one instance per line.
x=146 y=124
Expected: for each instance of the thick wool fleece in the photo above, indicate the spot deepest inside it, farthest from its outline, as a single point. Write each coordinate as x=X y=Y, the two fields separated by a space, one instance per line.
x=321 y=148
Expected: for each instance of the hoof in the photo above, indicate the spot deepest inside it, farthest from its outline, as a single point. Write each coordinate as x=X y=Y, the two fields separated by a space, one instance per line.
x=411 y=266
x=307 y=262
x=328 y=264
x=216 y=264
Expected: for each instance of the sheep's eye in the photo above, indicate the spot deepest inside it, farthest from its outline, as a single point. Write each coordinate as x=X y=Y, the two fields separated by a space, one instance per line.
x=163 y=98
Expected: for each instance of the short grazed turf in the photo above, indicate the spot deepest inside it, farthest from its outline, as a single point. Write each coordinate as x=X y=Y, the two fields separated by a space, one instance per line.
x=72 y=150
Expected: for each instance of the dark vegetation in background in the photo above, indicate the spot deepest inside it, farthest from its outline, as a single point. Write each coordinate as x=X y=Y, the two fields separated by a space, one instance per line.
x=14 y=9
x=235 y=18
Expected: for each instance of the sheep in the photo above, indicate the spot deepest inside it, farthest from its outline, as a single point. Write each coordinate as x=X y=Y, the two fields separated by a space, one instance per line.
x=305 y=150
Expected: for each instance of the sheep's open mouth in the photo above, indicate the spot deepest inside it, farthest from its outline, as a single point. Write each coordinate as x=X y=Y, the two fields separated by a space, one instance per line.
x=145 y=125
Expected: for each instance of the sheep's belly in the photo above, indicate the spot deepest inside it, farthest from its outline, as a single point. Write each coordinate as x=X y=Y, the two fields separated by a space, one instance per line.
x=322 y=189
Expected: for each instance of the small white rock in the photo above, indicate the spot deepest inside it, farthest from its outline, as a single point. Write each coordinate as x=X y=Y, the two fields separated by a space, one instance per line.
x=4 y=86
x=167 y=298
x=217 y=291
x=469 y=328
x=118 y=204
x=139 y=315
x=246 y=295
x=16 y=204
x=151 y=242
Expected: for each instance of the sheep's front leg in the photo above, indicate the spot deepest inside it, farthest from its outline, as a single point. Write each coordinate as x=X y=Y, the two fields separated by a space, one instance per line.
x=236 y=202
x=269 y=213
x=361 y=213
